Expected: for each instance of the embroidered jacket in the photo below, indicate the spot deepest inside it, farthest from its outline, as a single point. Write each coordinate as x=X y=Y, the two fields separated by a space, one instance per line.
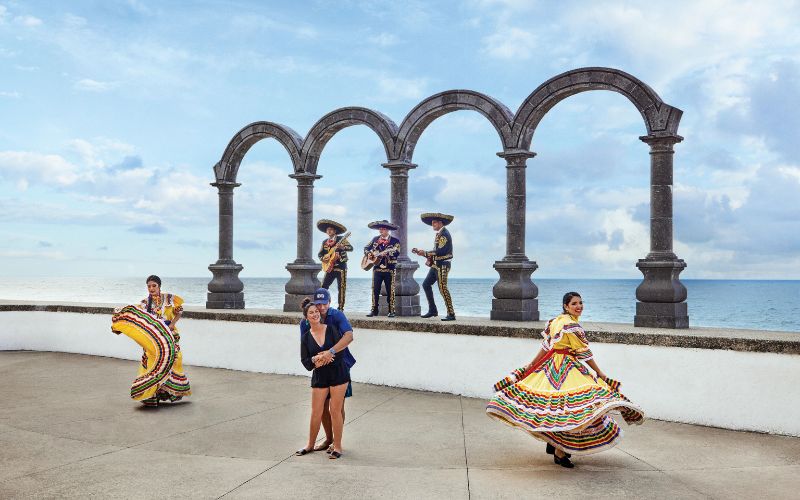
x=442 y=252
x=388 y=261
x=341 y=262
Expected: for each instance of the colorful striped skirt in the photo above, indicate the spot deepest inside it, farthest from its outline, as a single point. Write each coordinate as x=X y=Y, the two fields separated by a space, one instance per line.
x=161 y=374
x=561 y=403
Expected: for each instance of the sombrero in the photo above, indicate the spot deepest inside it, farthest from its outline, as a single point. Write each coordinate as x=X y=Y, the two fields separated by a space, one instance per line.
x=378 y=224
x=324 y=224
x=429 y=217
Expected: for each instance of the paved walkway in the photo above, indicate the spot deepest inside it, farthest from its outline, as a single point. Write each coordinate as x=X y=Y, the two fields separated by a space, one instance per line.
x=68 y=430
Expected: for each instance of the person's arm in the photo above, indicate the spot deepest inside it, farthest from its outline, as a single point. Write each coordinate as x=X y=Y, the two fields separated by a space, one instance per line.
x=305 y=355
x=444 y=246
x=177 y=311
x=593 y=365
x=539 y=355
x=322 y=252
x=341 y=323
x=368 y=248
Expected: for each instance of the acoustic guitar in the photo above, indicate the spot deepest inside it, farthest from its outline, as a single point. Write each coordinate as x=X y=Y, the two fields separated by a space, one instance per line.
x=330 y=259
x=371 y=258
x=422 y=253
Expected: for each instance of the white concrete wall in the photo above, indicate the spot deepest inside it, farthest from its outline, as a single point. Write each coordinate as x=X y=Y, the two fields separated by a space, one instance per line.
x=735 y=390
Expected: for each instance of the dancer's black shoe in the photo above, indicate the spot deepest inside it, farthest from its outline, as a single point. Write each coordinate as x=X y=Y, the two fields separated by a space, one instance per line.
x=551 y=450
x=430 y=314
x=563 y=462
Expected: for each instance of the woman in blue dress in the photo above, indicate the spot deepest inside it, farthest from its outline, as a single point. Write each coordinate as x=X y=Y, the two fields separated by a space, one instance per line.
x=330 y=376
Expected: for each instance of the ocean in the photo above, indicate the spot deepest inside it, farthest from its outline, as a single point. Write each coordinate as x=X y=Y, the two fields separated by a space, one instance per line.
x=750 y=304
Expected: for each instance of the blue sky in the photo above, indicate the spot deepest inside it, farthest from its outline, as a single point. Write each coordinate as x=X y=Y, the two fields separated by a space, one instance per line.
x=114 y=112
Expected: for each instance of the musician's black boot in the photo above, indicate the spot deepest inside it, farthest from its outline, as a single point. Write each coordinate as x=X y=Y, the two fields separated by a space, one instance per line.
x=430 y=314
x=449 y=317
x=391 y=315
x=372 y=313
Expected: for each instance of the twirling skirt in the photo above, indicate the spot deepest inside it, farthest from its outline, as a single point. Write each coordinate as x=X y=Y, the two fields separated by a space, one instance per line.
x=561 y=403
x=161 y=372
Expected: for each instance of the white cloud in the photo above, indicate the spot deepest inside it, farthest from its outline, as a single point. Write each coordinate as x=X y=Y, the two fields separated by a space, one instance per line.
x=11 y=95
x=45 y=168
x=3 y=13
x=510 y=43
x=384 y=39
x=90 y=85
x=26 y=254
x=28 y=21
x=397 y=88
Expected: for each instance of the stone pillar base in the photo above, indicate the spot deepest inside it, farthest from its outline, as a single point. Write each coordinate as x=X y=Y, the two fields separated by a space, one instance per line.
x=303 y=283
x=225 y=300
x=515 y=294
x=292 y=301
x=515 y=309
x=404 y=305
x=225 y=288
x=661 y=315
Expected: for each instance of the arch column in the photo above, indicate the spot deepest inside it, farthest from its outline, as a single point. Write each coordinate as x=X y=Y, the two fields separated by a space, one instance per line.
x=661 y=295
x=406 y=292
x=303 y=281
x=225 y=288
x=515 y=294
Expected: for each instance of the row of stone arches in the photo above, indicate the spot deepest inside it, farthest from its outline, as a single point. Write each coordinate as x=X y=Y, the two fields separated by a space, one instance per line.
x=661 y=296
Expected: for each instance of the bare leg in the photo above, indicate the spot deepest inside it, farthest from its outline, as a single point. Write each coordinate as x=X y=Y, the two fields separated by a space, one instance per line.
x=326 y=423
x=337 y=419
x=318 y=396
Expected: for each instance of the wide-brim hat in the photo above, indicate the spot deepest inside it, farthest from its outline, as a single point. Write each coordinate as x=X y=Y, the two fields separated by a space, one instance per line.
x=378 y=224
x=429 y=217
x=324 y=224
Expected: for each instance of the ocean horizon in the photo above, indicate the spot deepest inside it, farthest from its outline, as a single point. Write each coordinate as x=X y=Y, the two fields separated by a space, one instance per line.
x=747 y=304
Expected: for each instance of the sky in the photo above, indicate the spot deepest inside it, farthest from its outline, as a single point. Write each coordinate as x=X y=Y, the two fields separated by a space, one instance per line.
x=114 y=113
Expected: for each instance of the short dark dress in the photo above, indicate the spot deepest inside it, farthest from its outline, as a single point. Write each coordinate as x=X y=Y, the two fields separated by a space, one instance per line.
x=332 y=374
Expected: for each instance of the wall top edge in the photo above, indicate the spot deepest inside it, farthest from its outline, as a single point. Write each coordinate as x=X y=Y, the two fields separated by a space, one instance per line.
x=610 y=333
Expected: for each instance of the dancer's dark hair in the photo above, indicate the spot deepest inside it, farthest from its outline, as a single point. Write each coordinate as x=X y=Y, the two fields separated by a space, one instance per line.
x=154 y=279
x=567 y=298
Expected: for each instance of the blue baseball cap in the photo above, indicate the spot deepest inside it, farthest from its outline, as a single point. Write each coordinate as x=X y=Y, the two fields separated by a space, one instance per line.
x=322 y=296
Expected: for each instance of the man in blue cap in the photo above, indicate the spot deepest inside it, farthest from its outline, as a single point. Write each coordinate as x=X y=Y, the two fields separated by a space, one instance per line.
x=336 y=318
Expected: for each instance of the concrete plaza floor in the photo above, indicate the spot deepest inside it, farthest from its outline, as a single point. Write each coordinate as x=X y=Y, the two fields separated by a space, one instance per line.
x=69 y=430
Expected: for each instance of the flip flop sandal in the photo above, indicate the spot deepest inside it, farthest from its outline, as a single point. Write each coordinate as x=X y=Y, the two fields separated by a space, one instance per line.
x=302 y=451
x=334 y=455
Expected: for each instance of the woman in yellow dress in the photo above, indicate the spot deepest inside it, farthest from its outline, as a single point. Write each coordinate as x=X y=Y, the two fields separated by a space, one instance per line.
x=557 y=400
x=152 y=325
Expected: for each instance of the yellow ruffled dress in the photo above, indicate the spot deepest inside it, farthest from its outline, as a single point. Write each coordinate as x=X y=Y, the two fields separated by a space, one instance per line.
x=161 y=375
x=559 y=401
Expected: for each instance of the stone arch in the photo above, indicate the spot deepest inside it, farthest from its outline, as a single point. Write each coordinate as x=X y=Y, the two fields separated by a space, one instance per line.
x=660 y=118
x=333 y=122
x=446 y=102
x=228 y=167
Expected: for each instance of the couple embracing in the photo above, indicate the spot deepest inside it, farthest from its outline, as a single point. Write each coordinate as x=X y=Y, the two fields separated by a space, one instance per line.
x=325 y=334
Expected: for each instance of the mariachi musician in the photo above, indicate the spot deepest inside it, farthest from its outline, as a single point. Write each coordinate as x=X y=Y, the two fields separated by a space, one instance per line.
x=381 y=253
x=333 y=255
x=439 y=261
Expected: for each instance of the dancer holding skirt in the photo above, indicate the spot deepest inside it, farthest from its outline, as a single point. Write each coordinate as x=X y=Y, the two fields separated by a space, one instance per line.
x=557 y=400
x=151 y=324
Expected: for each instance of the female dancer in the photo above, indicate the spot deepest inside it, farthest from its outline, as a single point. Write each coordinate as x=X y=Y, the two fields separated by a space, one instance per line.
x=151 y=324
x=319 y=347
x=557 y=400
